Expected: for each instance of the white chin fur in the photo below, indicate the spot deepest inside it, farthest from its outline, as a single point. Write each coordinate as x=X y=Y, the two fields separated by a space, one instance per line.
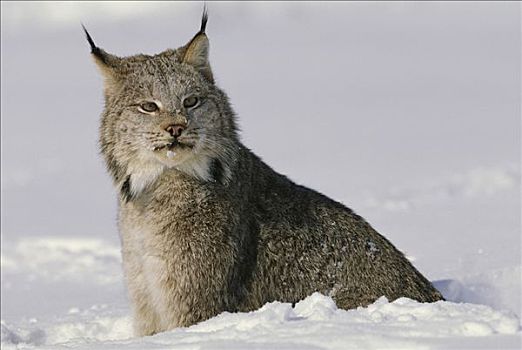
x=144 y=175
x=198 y=167
x=146 y=172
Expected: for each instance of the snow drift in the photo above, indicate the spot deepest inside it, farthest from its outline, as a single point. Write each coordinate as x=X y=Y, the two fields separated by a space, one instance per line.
x=314 y=323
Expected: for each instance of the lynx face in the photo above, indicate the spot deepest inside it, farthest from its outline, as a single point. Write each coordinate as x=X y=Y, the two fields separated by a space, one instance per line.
x=166 y=119
x=165 y=112
x=169 y=114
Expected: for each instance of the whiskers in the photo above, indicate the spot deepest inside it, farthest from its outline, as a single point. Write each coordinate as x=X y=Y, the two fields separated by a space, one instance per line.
x=207 y=141
x=198 y=140
x=204 y=154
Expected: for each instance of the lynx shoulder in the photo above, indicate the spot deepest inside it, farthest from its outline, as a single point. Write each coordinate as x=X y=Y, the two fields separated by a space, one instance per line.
x=206 y=226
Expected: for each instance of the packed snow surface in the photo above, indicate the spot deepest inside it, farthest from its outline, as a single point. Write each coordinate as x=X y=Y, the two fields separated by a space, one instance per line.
x=314 y=323
x=407 y=112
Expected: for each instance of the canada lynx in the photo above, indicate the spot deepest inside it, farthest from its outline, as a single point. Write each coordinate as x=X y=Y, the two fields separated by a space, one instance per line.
x=206 y=226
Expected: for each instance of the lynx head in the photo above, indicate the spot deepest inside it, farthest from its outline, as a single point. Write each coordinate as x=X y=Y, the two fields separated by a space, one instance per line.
x=164 y=113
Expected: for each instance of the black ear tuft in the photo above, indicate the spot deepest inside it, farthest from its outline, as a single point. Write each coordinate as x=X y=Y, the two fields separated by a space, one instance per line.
x=204 y=20
x=95 y=50
x=195 y=53
x=89 y=39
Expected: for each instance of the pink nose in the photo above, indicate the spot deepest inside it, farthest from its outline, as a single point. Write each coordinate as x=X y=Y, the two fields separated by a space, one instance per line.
x=175 y=130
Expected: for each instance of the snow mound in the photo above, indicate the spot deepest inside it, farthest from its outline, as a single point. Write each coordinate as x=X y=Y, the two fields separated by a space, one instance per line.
x=314 y=323
x=97 y=324
x=495 y=288
x=70 y=259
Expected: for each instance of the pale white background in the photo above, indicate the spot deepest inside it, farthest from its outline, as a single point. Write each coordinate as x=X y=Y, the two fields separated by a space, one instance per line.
x=407 y=112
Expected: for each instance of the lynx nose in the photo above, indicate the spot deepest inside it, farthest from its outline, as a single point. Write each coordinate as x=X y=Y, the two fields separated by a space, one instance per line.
x=175 y=129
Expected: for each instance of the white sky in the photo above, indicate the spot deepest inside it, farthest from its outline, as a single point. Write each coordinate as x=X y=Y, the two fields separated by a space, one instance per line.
x=348 y=98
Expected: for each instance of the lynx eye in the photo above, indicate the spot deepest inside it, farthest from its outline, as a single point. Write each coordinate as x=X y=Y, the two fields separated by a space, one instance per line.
x=190 y=102
x=148 y=107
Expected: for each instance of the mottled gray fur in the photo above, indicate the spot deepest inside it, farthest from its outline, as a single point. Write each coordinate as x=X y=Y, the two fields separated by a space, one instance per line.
x=206 y=226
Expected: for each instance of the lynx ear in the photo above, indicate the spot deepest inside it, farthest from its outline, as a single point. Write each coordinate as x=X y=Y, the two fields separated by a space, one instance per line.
x=109 y=65
x=196 y=51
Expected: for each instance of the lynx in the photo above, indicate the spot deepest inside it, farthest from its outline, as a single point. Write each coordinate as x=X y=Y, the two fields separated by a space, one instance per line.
x=205 y=225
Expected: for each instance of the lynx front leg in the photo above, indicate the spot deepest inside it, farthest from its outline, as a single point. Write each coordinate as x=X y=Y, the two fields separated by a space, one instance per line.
x=191 y=307
x=188 y=291
x=145 y=318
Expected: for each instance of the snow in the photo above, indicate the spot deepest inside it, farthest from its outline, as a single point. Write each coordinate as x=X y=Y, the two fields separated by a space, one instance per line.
x=411 y=116
x=314 y=323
